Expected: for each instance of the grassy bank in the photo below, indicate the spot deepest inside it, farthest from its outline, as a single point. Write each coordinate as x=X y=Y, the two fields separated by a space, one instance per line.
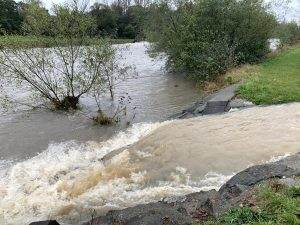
x=277 y=80
x=34 y=41
x=273 y=204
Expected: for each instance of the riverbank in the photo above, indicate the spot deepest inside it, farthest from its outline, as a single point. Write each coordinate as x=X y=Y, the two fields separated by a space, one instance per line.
x=275 y=81
x=46 y=42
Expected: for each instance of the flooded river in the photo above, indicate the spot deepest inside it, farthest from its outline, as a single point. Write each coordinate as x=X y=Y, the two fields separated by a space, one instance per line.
x=156 y=95
x=87 y=170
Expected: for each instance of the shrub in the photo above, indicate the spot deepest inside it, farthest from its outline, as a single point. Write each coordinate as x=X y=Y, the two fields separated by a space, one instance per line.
x=102 y=119
x=207 y=37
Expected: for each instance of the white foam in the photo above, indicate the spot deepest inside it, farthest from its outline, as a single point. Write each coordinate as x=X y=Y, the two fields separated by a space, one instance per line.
x=29 y=190
x=278 y=158
x=69 y=182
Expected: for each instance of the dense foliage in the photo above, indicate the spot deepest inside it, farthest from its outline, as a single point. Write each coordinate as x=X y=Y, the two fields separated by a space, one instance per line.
x=288 y=33
x=10 y=17
x=207 y=37
x=203 y=38
x=121 y=19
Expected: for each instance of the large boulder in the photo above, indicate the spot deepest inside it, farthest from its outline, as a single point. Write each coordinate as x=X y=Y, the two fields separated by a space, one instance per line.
x=252 y=176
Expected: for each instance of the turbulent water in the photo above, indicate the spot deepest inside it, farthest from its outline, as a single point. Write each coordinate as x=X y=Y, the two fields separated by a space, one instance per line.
x=150 y=161
x=54 y=183
x=74 y=180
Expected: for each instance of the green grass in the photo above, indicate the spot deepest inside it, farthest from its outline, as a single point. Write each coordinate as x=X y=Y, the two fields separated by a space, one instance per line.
x=277 y=80
x=274 y=205
x=45 y=42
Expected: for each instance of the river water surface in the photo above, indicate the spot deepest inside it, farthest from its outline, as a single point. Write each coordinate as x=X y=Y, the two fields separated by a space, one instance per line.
x=87 y=170
x=156 y=95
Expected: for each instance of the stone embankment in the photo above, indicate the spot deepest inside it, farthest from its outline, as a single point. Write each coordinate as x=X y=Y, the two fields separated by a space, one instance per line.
x=219 y=102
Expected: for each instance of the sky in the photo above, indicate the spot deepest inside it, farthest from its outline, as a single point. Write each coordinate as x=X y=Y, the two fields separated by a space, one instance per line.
x=291 y=13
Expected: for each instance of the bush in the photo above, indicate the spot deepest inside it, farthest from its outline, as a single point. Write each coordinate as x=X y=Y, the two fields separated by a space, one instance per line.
x=102 y=119
x=208 y=37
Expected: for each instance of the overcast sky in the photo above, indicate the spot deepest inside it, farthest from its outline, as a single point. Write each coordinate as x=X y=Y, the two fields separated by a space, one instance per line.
x=292 y=13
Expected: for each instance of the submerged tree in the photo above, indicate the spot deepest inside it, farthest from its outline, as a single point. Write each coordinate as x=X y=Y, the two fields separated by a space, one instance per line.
x=60 y=75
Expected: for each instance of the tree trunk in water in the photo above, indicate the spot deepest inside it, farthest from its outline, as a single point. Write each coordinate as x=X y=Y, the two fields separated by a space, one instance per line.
x=69 y=102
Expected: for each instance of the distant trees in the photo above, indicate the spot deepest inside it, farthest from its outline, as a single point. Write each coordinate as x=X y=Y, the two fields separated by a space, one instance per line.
x=124 y=18
x=36 y=19
x=10 y=17
x=287 y=32
x=14 y=16
x=105 y=18
x=120 y=19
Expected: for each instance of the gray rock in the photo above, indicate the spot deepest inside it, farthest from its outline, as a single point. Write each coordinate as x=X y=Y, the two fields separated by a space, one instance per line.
x=214 y=107
x=149 y=214
x=252 y=176
x=200 y=108
x=173 y=199
x=200 y=205
x=292 y=162
x=226 y=94
x=216 y=103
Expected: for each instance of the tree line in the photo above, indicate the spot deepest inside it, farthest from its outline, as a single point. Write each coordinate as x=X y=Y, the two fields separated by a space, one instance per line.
x=202 y=38
x=121 y=19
